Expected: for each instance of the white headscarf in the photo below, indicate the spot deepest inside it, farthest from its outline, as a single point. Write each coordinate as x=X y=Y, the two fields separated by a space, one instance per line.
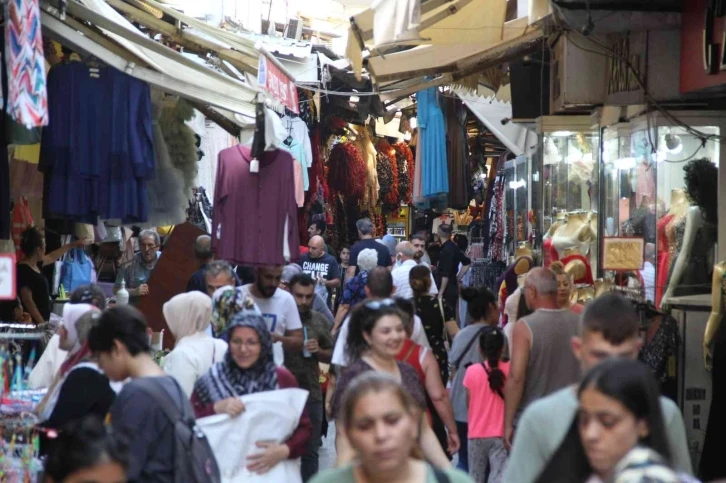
x=188 y=313
x=71 y=314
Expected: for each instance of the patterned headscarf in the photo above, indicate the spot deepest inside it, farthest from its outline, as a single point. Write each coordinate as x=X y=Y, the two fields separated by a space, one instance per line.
x=226 y=303
x=226 y=379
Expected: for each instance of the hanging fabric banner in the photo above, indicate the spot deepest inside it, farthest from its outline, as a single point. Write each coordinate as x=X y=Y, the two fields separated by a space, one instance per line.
x=277 y=83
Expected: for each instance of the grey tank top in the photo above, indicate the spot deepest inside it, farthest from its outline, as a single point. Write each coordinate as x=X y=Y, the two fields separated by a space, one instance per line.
x=552 y=365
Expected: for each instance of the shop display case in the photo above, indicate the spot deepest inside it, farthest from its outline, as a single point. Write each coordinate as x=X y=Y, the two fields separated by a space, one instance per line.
x=517 y=199
x=645 y=197
x=569 y=153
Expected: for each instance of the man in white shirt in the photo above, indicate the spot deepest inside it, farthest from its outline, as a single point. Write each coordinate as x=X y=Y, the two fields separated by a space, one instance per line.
x=277 y=306
x=405 y=261
x=379 y=287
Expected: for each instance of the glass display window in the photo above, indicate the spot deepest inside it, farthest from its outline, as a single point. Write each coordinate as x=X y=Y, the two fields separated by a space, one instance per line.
x=569 y=150
x=646 y=195
x=517 y=194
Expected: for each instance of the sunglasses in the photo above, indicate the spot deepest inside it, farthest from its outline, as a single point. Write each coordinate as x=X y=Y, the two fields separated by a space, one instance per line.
x=378 y=304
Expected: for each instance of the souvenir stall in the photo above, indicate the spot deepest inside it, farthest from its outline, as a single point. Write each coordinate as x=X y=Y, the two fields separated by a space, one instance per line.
x=19 y=436
x=569 y=153
x=660 y=178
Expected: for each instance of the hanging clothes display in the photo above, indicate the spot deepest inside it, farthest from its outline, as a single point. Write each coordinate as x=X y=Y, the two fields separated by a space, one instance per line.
x=369 y=153
x=181 y=140
x=254 y=218
x=27 y=98
x=297 y=128
x=432 y=143
x=457 y=150
x=167 y=190
x=497 y=222
x=102 y=173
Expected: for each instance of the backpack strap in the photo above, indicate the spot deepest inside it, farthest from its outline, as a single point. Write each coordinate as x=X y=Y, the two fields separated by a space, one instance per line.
x=162 y=398
x=468 y=346
x=440 y=476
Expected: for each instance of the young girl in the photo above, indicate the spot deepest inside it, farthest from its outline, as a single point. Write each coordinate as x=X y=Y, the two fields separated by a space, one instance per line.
x=484 y=383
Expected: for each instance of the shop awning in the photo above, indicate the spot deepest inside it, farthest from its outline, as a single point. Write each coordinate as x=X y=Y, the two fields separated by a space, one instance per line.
x=460 y=60
x=491 y=112
x=148 y=60
x=447 y=22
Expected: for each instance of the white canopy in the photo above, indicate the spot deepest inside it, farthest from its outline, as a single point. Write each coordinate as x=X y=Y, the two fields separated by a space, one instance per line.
x=167 y=69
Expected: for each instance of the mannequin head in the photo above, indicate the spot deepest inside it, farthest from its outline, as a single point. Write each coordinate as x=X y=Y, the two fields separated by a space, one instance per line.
x=702 y=187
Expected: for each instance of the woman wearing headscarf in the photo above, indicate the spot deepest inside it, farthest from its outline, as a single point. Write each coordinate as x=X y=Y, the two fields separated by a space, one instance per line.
x=248 y=368
x=80 y=387
x=188 y=316
x=48 y=365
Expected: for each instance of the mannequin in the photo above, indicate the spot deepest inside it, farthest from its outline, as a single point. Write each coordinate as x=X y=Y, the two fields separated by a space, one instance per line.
x=695 y=233
x=548 y=250
x=714 y=355
x=665 y=237
x=577 y=231
x=523 y=250
x=577 y=266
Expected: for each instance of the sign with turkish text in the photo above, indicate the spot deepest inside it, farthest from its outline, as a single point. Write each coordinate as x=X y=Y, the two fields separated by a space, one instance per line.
x=623 y=253
x=279 y=85
x=703 y=45
x=7 y=276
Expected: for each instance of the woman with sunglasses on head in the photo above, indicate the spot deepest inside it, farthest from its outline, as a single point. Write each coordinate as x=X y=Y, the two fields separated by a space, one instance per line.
x=375 y=338
x=381 y=421
x=618 y=435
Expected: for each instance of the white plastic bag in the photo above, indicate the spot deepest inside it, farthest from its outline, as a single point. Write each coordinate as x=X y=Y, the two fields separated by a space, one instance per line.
x=268 y=416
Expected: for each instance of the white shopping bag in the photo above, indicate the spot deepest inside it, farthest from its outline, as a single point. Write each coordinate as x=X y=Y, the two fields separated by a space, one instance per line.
x=268 y=416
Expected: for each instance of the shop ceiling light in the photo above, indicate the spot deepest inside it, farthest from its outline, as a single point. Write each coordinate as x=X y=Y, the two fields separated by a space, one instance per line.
x=562 y=134
x=625 y=164
x=517 y=184
x=673 y=143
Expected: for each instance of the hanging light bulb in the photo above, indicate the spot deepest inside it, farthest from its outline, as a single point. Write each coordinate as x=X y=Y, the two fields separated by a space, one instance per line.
x=673 y=143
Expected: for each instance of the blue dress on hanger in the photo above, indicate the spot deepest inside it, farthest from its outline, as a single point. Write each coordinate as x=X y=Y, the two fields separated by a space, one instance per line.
x=435 y=173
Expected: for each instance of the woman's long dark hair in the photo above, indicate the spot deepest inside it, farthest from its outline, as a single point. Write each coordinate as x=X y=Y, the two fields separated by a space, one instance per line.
x=363 y=320
x=491 y=344
x=634 y=386
x=479 y=302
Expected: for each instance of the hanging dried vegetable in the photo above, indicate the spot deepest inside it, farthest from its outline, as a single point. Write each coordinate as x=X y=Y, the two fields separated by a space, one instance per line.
x=405 y=163
x=347 y=171
x=391 y=198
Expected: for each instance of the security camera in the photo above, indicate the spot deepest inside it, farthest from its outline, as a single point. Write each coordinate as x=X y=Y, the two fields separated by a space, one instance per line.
x=505 y=121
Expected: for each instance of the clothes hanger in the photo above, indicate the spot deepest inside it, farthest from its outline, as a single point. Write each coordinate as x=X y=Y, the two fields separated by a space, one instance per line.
x=289 y=139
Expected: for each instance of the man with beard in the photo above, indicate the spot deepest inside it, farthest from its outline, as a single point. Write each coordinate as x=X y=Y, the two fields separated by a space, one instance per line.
x=305 y=365
x=137 y=273
x=277 y=307
x=419 y=245
x=405 y=261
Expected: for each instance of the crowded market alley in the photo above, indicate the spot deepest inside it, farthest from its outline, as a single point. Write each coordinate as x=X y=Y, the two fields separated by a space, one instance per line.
x=358 y=241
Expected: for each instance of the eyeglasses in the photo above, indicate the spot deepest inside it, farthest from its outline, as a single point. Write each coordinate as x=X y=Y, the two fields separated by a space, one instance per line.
x=378 y=304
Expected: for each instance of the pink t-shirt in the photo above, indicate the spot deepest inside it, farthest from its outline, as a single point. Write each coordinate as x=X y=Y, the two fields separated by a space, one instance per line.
x=486 y=407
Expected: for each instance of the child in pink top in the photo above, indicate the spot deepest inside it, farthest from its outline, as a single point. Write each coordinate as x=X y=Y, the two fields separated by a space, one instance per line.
x=484 y=383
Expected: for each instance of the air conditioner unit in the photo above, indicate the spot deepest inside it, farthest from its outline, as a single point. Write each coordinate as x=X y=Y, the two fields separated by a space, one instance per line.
x=578 y=71
x=294 y=29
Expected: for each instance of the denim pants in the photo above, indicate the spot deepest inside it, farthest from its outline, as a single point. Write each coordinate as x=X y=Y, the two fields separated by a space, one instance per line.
x=464 y=447
x=310 y=459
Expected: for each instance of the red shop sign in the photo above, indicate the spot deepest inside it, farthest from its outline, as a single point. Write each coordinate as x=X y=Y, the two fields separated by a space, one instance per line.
x=274 y=81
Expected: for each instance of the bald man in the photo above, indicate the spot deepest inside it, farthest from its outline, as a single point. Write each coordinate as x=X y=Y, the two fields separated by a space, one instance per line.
x=405 y=261
x=203 y=254
x=542 y=361
x=321 y=266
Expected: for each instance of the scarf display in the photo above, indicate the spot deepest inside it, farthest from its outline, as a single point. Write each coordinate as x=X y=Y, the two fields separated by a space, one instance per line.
x=226 y=379
x=187 y=314
x=27 y=97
